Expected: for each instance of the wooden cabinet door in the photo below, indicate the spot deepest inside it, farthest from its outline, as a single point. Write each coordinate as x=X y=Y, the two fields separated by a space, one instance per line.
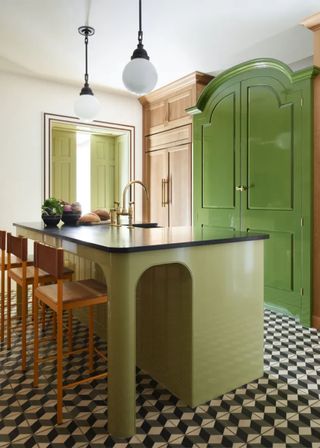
x=179 y=185
x=155 y=116
x=169 y=112
x=177 y=105
x=157 y=169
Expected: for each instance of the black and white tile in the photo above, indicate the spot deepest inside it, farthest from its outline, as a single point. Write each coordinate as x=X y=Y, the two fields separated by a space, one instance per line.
x=281 y=409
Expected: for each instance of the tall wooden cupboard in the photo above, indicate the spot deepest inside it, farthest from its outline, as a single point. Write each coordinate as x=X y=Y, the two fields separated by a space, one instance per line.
x=167 y=131
x=253 y=162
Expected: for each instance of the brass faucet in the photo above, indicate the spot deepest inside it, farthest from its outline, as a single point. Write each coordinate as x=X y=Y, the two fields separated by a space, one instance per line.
x=130 y=211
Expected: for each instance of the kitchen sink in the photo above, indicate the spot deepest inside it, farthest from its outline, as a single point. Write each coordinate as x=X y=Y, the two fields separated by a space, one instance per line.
x=146 y=225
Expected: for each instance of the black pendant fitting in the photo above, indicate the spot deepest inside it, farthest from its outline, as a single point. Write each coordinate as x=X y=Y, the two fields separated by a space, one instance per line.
x=86 y=30
x=140 y=52
x=86 y=90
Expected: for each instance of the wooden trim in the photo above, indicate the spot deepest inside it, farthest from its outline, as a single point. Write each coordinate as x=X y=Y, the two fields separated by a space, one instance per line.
x=316 y=322
x=312 y=22
x=175 y=86
x=172 y=137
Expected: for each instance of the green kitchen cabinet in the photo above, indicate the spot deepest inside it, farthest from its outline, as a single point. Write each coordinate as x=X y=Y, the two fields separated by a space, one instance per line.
x=253 y=152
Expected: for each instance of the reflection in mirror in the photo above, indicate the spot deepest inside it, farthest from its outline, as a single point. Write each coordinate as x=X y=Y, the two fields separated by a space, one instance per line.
x=88 y=163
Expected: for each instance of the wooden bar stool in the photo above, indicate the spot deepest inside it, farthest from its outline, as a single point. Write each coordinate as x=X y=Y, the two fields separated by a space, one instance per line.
x=60 y=297
x=23 y=275
x=15 y=263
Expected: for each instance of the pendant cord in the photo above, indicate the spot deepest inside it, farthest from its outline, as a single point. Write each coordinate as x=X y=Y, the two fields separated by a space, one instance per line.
x=86 y=76
x=88 y=12
x=140 y=32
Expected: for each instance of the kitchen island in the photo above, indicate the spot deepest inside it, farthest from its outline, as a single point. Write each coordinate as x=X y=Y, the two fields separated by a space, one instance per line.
x=222 y=280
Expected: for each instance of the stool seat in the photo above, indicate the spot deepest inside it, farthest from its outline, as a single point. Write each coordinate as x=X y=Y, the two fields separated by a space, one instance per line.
x=82 y=290
x=17 y=274
x=16 y=262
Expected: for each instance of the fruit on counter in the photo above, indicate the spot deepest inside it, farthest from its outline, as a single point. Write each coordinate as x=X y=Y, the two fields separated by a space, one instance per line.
x=67 y=208
x=89 y=217
x=103 y=213
x=75 y=207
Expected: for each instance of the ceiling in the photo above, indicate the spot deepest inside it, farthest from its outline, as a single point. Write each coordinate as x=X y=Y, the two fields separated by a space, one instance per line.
x=40 y=37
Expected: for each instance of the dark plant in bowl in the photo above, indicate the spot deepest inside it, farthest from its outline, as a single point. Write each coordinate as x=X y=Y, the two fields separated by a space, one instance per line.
x=51 y=211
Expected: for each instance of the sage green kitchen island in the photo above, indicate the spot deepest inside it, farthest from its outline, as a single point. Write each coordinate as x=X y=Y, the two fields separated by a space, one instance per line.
x=223 y=279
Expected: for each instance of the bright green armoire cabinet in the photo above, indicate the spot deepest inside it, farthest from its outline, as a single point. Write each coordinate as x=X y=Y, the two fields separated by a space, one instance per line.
x=252 y=170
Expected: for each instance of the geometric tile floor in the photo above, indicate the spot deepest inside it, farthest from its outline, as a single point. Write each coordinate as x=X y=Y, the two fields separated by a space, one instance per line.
x=281 y=409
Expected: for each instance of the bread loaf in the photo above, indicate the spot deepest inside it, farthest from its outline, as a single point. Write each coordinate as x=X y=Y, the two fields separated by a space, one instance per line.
x=103 y=213
x=89 y=217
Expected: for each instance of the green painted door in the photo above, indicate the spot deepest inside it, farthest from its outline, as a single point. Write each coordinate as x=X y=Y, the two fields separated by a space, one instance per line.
x=64 y=178
x=217 y=163
x=253 y=169
x=103 y=171
x=271 y=173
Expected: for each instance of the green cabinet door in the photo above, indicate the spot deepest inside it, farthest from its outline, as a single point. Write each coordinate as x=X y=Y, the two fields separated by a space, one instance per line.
x=271 y=171
x=252 y=170
x=217 y=163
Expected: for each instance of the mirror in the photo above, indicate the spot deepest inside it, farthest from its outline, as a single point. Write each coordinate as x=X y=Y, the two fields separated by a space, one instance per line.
x=87 y=162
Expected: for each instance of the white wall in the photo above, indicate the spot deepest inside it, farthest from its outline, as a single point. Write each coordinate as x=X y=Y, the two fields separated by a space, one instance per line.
x=22 y=103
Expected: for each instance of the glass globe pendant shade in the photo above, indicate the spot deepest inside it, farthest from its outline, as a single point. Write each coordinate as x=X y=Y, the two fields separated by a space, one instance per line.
x=139 y=76
x=86 y=107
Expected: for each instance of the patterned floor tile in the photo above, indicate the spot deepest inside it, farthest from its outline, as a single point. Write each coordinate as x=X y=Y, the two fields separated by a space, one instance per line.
x=212 y=436
x=282 y=408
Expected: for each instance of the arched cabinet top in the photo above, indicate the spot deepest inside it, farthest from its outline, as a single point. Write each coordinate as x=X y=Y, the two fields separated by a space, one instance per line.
x=255 y=67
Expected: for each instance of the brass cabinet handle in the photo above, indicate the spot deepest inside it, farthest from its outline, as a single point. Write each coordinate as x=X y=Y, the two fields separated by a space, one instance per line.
x=162 y=192
x=241 y=188
x=166 y=189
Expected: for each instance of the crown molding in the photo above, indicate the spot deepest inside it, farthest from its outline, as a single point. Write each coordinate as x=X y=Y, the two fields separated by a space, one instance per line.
x=167 y=90
x=312 y=22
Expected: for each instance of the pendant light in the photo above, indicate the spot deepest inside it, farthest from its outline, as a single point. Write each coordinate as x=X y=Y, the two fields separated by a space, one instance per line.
x=86 y=106
x=139 y=75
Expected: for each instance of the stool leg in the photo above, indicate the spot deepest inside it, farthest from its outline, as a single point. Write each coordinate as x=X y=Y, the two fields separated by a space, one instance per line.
x=59 y=366
x=8 y=312
x=2 y=307
x=91 y=347
x=24 y=304
x=43 y=316
x=35 y=343
x=70 y=331
x=54 y=324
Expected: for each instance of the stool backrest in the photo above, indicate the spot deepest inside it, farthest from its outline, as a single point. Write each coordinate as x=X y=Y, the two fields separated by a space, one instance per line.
x=49 y=259
x=18 y=246
x=2 y=239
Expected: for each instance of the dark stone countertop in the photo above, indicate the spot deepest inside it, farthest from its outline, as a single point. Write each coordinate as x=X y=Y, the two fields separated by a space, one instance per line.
x=122 y=239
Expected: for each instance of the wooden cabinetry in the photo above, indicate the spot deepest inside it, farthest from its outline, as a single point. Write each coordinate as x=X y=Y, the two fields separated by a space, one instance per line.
x=169 y=186
x=167 y=131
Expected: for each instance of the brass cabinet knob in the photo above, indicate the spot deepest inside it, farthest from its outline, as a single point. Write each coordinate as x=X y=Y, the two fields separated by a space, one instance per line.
x=241 y=188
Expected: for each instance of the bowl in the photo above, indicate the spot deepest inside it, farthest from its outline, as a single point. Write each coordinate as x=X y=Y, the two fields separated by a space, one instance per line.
x=51 y=220
x=70 y=218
